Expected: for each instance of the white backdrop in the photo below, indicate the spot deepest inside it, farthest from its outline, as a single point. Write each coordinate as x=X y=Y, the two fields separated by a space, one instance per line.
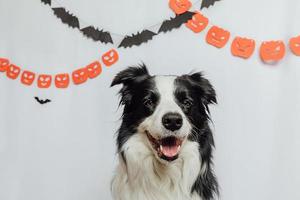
x=65 y=150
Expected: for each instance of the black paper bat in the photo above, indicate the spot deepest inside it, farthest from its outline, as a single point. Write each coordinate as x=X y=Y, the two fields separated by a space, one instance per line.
x=175 y=22
x=41 y=101
x=46 y=2
x=207 y=3
x=137 y=39
x=97 y=35
x=66 y=17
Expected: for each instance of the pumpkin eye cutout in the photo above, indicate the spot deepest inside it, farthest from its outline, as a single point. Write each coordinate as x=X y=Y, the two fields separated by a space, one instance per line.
x=94 y=69
x=4 y=64
x=79 y=76
x=217 y=37
x=295 y=45
x=44 y=81
x=110 y=57
x=272 y=51
x=27 y=77
x=62 y=80
x=13 y=71
x=180 y=6
x=198 y=23
x=242 y=47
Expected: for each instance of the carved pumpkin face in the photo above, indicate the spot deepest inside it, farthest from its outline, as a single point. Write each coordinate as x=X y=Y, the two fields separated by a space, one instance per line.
x=110 y=57
x=80 y=76
x=27 y=77
x=198 y=23
x=4 y=63
x=13 y=71
x=217 y=37
x=295 y=45
x=62 y=80
x=94 y=69
x=44 y=81
x=242 y=47
x=180 y=6
x=272 y=51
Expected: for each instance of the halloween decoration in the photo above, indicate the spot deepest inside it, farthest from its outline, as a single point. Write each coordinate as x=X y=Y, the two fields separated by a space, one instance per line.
x=110 y=57
x=27 y=77
x=217 y=37
x=41 y=101
x=295 y=45
x=175 y=22
x=94 y=69
x=97 y=35
x=13 y=71
x=180 y=6
x=66 y=17
x=208 y=3
x=272 y=51
x=137 y=39
x=198 y=22
x=62 y=80
x=4 y=63
x=242 y=47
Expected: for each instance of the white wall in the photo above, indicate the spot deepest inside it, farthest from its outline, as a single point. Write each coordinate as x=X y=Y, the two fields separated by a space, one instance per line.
x=65 y=150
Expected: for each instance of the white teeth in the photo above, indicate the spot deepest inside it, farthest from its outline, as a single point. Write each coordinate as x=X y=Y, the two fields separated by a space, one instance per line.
x=160 y=147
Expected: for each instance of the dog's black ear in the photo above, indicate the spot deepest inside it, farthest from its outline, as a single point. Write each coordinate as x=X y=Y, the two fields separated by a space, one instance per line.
x=204 y=87
x=131 y=75
x=130 y=78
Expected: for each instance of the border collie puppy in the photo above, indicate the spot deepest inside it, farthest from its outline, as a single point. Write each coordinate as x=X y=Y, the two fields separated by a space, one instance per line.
x=164 y=143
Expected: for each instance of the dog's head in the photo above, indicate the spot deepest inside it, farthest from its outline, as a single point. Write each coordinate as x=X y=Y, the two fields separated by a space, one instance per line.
x=168 y=110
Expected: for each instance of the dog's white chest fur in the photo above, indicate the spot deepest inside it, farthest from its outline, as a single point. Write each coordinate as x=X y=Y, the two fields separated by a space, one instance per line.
x=143 y=177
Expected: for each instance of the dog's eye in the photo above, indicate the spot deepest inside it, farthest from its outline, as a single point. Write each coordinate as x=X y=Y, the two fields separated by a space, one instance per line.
x=187 y=103
x=148 y=102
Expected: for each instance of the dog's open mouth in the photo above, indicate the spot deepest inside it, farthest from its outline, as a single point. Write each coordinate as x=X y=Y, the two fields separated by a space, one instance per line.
x=167 y=148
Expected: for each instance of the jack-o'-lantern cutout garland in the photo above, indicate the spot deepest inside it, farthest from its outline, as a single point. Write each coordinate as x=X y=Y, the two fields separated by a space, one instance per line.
x=61 y=80
x=270 y=51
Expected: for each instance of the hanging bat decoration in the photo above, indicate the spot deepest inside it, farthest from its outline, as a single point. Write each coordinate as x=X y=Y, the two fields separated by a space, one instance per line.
x=97 y=35
x=41 y=101
x=66 y=17
x=46 y=2
x=175 y=22
x=137 y=39
x=208 y=3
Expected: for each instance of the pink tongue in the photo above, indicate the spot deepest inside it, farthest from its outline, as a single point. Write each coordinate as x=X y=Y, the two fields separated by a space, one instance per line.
x=169 y=151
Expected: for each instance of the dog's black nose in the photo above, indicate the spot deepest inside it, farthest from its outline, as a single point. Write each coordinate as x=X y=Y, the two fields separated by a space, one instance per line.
x=172 y=121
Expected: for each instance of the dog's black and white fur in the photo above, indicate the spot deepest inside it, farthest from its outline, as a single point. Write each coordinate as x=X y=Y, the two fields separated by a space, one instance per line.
x=164 y=143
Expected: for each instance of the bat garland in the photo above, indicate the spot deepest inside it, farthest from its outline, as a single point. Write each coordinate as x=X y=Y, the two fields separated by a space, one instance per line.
x=208 y=3
x=100 y=35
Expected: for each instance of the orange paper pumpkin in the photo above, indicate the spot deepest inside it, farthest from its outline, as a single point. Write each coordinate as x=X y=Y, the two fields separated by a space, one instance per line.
x=44 y=81
x=272 y=51
x=242 y=47
x=217 y=37
x=198 y=23
x=62 y=80
x=4 y=63
x=180 y=6
x=94 y=69
x=13 y=71
x=80 y=76
x=295 y=45
x=27 y=77
x=110 y=57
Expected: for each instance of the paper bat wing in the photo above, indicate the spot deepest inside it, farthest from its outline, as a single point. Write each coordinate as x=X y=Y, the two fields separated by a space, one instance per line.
x=207 y=3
